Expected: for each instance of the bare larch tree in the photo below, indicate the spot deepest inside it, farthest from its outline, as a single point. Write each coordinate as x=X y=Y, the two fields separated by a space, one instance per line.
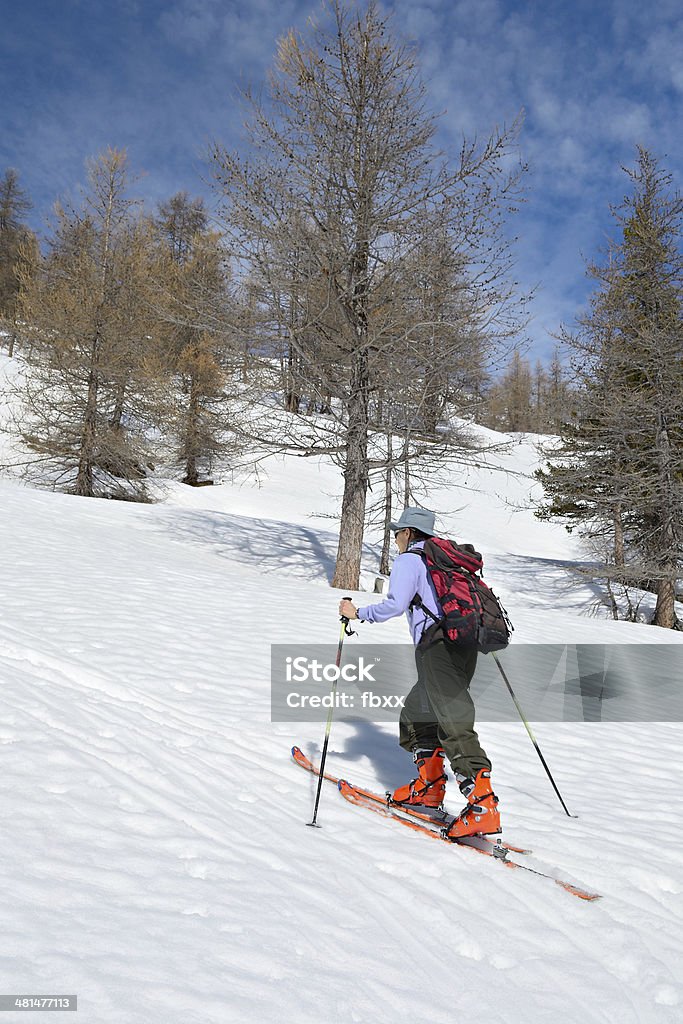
x=345 y=174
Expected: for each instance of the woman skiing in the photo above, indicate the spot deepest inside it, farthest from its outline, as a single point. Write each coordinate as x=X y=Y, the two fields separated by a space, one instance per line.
x=437 y=719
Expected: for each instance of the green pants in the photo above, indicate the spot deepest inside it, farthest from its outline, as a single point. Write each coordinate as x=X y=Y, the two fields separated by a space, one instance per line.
x=439 y=711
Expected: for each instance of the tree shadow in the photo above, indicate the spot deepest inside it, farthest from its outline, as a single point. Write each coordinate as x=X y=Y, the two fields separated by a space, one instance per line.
x=265 y=545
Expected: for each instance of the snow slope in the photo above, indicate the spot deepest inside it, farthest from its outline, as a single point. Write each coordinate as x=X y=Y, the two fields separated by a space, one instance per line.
x=155 y=856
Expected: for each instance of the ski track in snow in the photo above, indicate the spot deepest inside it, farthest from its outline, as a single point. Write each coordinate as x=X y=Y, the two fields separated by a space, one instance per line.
x=143 y=871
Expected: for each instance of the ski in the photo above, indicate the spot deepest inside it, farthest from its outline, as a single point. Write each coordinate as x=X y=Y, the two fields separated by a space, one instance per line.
x=437 y=821
x=432 y=827
x=496 y=851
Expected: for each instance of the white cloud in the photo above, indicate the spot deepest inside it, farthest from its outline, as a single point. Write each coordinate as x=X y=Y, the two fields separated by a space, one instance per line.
x=594 y=81
x=191 y=24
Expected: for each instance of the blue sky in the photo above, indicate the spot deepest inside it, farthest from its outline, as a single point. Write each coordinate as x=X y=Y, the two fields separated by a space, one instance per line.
x=162 y=79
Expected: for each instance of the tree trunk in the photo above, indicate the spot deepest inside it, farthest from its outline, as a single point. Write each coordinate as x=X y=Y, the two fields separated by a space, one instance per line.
x=665 y=611
x=191 y=471
x=356 y=472
x=86 y=458
x=432 y=409
x=406 y=473
x=386 y=539
x=347 y=570
x=614 y=607
x=245 y=363
x=117 y=415
x=618 y=538
x=292 y=396
x=85 y=475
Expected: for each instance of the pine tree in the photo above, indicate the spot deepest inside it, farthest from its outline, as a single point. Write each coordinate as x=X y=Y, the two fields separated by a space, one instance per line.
x=618 y=473
x=18 y=249
x=14 y=202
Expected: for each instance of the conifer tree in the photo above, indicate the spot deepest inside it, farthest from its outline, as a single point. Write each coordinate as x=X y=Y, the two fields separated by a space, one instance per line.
x=18 y=249
x=618 y=473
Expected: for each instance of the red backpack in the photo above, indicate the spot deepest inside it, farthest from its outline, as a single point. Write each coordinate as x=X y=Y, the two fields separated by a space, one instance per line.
x=472 y=614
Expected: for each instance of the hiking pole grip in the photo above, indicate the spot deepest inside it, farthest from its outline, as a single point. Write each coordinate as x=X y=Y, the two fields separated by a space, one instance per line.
x=531 y=735
x=343 y=631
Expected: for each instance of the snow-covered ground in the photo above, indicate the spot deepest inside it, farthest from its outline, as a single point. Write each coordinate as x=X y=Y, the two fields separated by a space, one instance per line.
x=155 y=856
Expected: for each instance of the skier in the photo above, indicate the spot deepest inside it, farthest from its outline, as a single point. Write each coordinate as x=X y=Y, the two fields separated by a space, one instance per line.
x=437 y=719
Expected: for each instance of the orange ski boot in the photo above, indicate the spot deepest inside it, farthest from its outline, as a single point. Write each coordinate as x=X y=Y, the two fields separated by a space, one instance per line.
x=429 y=789
x=480 y=817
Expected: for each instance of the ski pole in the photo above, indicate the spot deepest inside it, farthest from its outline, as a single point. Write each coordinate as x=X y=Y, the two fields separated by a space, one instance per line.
x=532 y=737
x=348 y=632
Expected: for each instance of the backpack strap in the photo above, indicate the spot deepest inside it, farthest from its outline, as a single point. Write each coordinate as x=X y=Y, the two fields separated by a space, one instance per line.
x=417 y=602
